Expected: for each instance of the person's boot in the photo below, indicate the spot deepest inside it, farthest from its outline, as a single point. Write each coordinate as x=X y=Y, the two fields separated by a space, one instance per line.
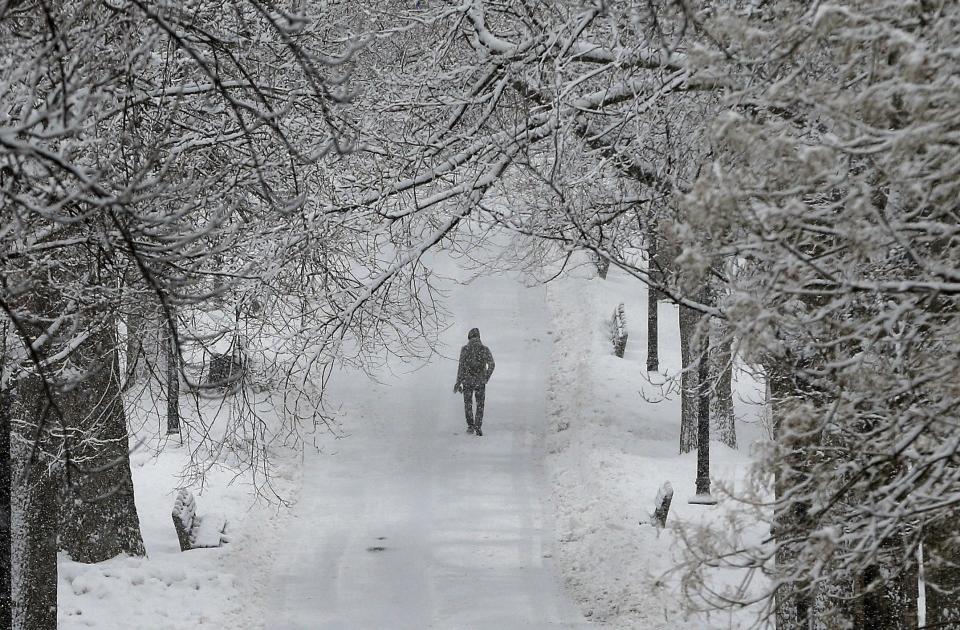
x=470 y=429
x=479 y=431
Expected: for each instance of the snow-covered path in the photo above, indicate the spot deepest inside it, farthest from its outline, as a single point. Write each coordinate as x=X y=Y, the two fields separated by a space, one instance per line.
x=412 y=524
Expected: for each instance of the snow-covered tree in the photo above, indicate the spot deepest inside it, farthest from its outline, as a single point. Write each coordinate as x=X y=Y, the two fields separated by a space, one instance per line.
x=834 y=184
x=137 y=141
x=805 y=154
x=577 y=123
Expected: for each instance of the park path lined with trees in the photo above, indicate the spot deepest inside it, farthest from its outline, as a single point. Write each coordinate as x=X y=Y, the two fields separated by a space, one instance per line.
x=788 y=171
x=411 y=523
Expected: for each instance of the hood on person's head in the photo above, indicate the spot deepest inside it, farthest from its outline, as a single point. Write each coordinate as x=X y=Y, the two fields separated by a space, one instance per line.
x=473 y=334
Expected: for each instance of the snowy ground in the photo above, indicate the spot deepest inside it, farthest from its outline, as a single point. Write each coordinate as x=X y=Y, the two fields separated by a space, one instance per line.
x=613 y=441
x=410 y=523
x=169 y=589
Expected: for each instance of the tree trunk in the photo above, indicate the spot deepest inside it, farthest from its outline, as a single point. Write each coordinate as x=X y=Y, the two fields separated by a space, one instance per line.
x=35 y=512
x=834 y=605
x=653 y=334
x=144 y=342
x=173 y=378
x=721 y=402
x=6 y=524
x=99 y=498
x=603 y=266
x=703 y=416
x=134 y=349
x=891 y=590
x=135 y=323
x=941 y=568
x=74 y=425
x=653 y=298
x=688 y=379
x=36 y=601
x=794 y=600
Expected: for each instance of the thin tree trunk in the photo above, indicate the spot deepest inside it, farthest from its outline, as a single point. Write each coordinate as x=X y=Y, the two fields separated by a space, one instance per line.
x=134 y=348
x=173 y=378
x=688 y=379
x=721 y=402
x=653 y=298
x=144 y=344
x=703 y=415
x=653 y=334
x=99 y=498
x=143 y=348
x=6 y=524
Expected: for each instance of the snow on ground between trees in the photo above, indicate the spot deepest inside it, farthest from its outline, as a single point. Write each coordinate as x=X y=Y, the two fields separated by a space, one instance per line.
x=170 y=589
x=610 y=451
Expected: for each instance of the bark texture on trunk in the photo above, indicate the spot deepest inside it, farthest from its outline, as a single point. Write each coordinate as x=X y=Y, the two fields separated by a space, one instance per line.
x=173 y=379
x=890 y=591
x=653 y=333
x=941 y=567
x=721 y=400
x=794 y=601
x=99 y=497
x=35 y=511
x=688 y=379
x=703 y=417
x=36 y=600
x=653 y=299
x=834 y=604
x=6 y=525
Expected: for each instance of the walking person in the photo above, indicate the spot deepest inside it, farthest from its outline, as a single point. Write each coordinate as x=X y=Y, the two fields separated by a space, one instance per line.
x=476 y=366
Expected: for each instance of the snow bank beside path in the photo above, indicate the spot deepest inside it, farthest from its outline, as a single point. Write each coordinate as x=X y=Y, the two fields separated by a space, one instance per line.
x=169 y=589
x=613 y=440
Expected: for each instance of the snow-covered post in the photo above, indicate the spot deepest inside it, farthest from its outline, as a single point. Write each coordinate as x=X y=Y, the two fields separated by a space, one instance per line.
x=619 y=331
x=662 y=505
x=603 y=266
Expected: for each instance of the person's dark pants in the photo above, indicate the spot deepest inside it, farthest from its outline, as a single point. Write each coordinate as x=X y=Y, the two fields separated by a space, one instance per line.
x=468 y=395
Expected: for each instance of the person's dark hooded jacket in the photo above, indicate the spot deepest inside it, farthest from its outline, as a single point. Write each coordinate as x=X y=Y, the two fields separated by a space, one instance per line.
x=476 y=363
